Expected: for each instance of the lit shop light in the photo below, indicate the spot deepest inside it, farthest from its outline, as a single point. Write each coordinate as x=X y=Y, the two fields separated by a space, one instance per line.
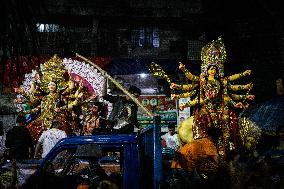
x=142 y=75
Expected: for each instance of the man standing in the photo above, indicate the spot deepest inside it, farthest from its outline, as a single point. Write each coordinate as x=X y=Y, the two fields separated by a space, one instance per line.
x=49 y=138
x=19 y=141
x=170 y=139
x=123 y=117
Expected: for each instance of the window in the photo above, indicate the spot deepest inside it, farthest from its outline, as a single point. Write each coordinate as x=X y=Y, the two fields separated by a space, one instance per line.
x=57 y=165
x=146 y=37
x=87 y=164
x=47 y=27
x=156 y=38
x=194 y=48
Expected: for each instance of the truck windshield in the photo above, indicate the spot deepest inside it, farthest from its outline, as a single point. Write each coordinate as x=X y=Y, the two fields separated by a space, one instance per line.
x=84 y=167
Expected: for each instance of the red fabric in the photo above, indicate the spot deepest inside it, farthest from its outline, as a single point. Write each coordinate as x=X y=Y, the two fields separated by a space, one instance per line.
x=15 y=68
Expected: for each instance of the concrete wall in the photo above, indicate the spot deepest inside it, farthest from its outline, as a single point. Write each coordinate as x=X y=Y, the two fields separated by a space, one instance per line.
x=8 y=121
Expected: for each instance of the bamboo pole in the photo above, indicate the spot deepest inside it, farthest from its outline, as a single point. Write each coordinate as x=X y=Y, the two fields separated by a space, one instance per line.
x=104 y=73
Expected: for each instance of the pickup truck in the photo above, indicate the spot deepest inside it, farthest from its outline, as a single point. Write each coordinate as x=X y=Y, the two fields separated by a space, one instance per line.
x=129 y=160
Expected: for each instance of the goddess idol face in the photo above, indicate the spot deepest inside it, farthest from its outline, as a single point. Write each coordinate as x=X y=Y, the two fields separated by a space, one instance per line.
x=212 y=71
x=52 y=86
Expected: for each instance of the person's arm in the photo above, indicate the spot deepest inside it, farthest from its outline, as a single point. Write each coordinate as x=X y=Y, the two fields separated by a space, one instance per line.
x=29 y=142
x=8 y=140
x=163 y=141
x=39 y=145
x=106 y=96
x=37 y=149
x=31 y=152
x=64 y=135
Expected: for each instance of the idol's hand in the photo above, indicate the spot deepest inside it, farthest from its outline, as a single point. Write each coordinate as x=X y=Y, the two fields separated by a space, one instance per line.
x=18 y=89
x=250 y=97
x=173 y=96
x=249 y=86
x=181 y=66
x=173 y=86
x=18 y=100
x=247 y=72
x=181 y=107
x=238 y=105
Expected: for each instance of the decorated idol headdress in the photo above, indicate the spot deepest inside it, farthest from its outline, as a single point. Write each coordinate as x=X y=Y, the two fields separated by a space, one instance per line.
x=213 y=54
x=53 y=71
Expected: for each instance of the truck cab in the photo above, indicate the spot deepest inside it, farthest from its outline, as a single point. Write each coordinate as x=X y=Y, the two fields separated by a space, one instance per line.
x=63 y=166
x=128 y=160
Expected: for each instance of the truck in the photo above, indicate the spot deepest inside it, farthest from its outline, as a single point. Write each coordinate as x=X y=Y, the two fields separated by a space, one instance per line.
x=131 y=160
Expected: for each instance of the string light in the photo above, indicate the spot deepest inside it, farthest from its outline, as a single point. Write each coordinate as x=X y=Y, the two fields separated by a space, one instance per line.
x=84 y=70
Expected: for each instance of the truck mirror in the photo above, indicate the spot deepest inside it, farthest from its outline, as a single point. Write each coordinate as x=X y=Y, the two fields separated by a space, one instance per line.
x=89 y=151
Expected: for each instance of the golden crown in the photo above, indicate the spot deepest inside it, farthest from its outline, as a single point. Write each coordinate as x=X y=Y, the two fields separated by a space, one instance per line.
x=213 y=54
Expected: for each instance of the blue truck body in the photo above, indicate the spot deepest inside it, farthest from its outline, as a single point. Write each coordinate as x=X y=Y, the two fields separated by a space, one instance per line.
x=140 y=161
x=126 y=143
